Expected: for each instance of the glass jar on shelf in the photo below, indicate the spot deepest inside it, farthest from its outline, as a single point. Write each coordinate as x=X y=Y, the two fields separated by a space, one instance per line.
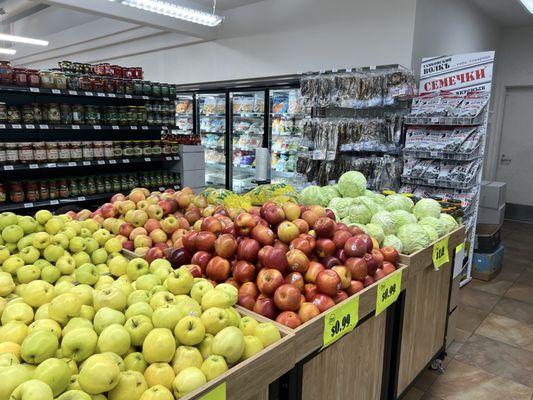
x=6 y=73
x=97 y=83
x=25 y=152
x=85 y=83
x=47 y=80
x=142 y=115
x=27 y=114
x=127 y=149
x=123 y=115
x=13 y=115
x=147 y=88
x=73 y=81
x=98 y=150
x=44 y=190
x=156 y=89
x=87 y=151
x=91 y=115
x=32 y=191
x=132 y=115
x=73 y=188
x=118 y=152
x=172 y=91
x=165 y=92
x=3 y=112
x=53 y=189
x=108 y=150
x=16 y=192
x=108 y=184
x=119 y=86
x=124 y=182
x=128 y=86
x=53 y=113
x=20 y=77
x=34 y=79
x=77 y=114
x=64 y=151
x=100 y=185
x=156 y=148
x=138 y=87
x=146 y=146
x=76 y=151
x=52 y=152
x=66 y=114
x=3 y=153
x=3 y=194
x=82 y=186
x=37 y=113
x=108 y=85
x=111 y=115
x=166 y=148
x=39 y=152
x=60 y=80
x=63 y=188
x=137 y=149
x=116 y=186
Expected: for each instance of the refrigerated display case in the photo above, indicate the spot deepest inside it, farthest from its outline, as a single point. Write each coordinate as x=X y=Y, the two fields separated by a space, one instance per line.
x=212 y=127
x=185 y=114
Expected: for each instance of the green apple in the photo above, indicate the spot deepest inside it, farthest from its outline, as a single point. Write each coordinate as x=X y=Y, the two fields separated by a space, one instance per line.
x=103 y=268
x=6 y=284
x=42 y=312
x=41 y=263
x=85 y=292
x=105 y=317
x=38 y=293
x=91 y=245
x=148 y=281
x=81 y=257
x=167 y=316
x=131 y=386
x=72 y=366
x=73 y=384
x=26 y=241
x=247 y=325
x=75 y=323
x=60 y=239
x=267 y=332
x=46 y=323
x=41 y=240
x=28 y=273
x=87 y=273
x=11 y=378
x=79 y=344
x=42 y=216
x=189 y=330
x=101 y=236
x=13 y=331
x=85 y=233
x=66 y=264
x=76 y=395
x=162 y=298
x=63 y=286
x=50 y=274
x=230 y=290
x=136 y=268
x=77 y=244
x=118 y=265
x=252 y=346
x=29 y=254
x=17 y=312
x=138 y=296
x=8 y=360
x=4 y=253
x=99 y=256
x=206 y=346
x=215 y=319
x=10 y=347
x=12 y=263
x=87 y=312
x=104 y=282
x=33 y=389
x=12 y=233
x=67 y=232
x=233 y=316
x=135 y=362
x=179 y=281
x=156 y=289
x=53 y=252
x=186 y=381
x=189 y=306
x=157 y=392
x=18 y=293
x=65 y=306
x=214 y=366
x=75 y=225
x=111 y=297
x=99 y=374
x=118 y=360
x=138 y=327
x=113 y=245
x=215 y=298
x=12 y=247
x=7 y=218
x=55 y=373
x=159 y=346
x=186 y=356
x=139 y=308
x=28 y=224
x=54 y=225
x=38 y=346
x=199 y=289
x=229 y=343
x=161 y=267
x=114 y=338
x=159 y=374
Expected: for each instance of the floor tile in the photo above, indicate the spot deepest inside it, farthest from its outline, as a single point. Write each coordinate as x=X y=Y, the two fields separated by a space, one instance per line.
x=454 y=348
x=519 y=310
x=507 y=275
x=413 y=394
x=428 y=396
x=526 y=278
x=507 y=330
x=478 y=299
x=497 y=287
x=465 y=382
x=498 y=358
x=469 y=318
x=520 y=292
x=515 y=262
x=461 y=335
x=426 y=379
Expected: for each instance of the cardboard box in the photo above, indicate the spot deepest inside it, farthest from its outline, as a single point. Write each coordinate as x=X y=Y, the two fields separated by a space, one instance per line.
x=486 y=266
x=492 y=194
x=488 y=237
x=492 y=216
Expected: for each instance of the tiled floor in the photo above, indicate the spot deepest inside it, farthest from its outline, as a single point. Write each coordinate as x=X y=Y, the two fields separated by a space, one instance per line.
x=492 y=358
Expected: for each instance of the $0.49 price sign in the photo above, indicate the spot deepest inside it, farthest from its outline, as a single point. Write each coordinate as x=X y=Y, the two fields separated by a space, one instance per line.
x=341 y=320
x=218 y=393
x=440 y=253
x=388 y=291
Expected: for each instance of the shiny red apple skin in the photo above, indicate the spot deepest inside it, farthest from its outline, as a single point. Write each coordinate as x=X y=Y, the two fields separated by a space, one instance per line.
x=218 y=269
x=244 y=272
x=357 y=267
x=390 y=254
x=290 y=319
x=312 y=271
x=323 y=302
x=225 y=246
x=287 y=297
x=266 y=307
x=296 y=279
x=328 y=282
x=268 y=280
x=248 y=249
x=355 y=286
x=308 y=311
x=201 y=258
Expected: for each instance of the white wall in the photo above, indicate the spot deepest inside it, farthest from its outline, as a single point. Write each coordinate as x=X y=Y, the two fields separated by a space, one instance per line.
x=276 y=37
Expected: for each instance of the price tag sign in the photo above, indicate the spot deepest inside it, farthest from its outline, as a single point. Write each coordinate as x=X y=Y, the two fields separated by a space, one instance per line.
x=100 y=94
x=51 y=165
x=440 y=253
x=433 y=153
x=111 y=95
x=8 y=168
x=76 y=127
x=73 y=92
x=340 y=321
x=97 y=127
x=89 y=94
x=2 y=126
x=218 y=393
x=34 y=166
x=16 y=126
x=388 y=291
x=166 y=99
x=86 y=163
x=145 y=97
x=127 y=96
x=459 y=248
x=28 y=205
x=168 y=158
x=133 y=128
x=35 y=90
x=43 y=126
x=101 y=162
x=125 y=161
x=56 y=91
x=112 y=161
x=71 y=164
x=147 y=159
x=144 y=128
x=81 y=198
x=330 y=155
x=115 y=127
x=30 y=126
x=54 y=202
x=435 y=120
x=161 y=189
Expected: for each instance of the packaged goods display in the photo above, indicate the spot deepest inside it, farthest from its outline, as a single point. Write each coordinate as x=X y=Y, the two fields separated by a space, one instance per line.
x=184 y=115
x=445 y=143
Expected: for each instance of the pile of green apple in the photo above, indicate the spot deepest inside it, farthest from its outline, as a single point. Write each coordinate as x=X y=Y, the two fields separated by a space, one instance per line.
x=78 y=320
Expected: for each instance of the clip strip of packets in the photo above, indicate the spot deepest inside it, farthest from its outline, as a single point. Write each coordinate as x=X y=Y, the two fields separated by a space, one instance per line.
x=441 y=173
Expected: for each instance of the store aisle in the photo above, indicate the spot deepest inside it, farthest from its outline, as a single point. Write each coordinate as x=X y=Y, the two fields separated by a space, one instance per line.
x=492 y=358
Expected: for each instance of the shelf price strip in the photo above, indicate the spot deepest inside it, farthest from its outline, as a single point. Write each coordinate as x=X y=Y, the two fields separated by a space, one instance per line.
x=388 y=291
x=440 y=253
x=218 y=393
x=340 y=321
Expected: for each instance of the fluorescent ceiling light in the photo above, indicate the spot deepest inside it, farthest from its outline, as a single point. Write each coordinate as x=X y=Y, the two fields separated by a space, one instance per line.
x=7 y=51
x=175 y=11
x=21 y=39
x=528 y=4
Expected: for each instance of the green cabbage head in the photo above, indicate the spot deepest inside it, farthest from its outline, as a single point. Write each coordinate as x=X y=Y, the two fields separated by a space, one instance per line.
x=436 y=224
x=384 y=219
x=376 y=231
x=449 y=222
x=393 y=241
x=427 y=208
x=402 y=217
x=414 y=237
x=340 y=206
x=398 y=202
x=310 y=195
x=352 y=184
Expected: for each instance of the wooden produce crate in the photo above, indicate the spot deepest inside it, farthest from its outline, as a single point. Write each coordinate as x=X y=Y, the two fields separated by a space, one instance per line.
x=425 y=310
x=249 y=379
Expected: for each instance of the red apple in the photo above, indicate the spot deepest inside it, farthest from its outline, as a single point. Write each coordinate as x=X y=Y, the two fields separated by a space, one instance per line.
x=278 y=244
x=330 y=261
x=368 y=281
x=192 y=216
x=355 y=247
x=218 y=269
x=328 y=282
x=263 y=235
x=289 y=319
x=330 y=214
x=390 y=254
x=340 y=296
x=244 y=223
x=248 y=249
x=249 y=288
x=243 y=271
x=194 y=269
x=179 y=257
x=379 y=274
x=354 y=230
x=287 y=231
x=308 y=311
x=340 y=237
x=341 y=255
x=268 y=280
x=287 y=297
x=302 y=225
x=341 y=226
x=355 y=286
x=212 y=224
x=225 y=246
x=125 y=229
x=368 y=241
x=388 y=268
x=270 y=257
x=231 y=281
x=325 y=247
x=189 y=241
x=312 y=271
x=154 y=253
x=325 y=227
x=201 y=258
x=297 y=261
x=272 y=213
x=205 y=241
x=128 y=245
x=246 y=301
x=265 y=306
x=345 y=275
x=296 y=279
x=302 y=244
x=371 y=263
x=323 y=302
x=108 y=210
x=310 y=290
x=310 y=217
x=378 y=256
x=357 y=267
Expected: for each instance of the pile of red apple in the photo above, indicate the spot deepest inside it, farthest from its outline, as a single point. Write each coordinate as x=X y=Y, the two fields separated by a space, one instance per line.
x=289 y=263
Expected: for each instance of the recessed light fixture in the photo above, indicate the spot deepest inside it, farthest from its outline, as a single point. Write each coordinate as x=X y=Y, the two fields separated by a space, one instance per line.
x=528 y=4
x=175 y=11
x=22 y=39
x=7 y=51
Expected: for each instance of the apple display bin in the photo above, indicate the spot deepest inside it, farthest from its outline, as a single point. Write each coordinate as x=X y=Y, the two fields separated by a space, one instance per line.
x=334 y=372
x=424 y=312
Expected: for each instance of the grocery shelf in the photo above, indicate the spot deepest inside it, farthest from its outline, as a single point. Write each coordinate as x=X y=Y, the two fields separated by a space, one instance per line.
x=211 y=133
x=75 y=127
x=249 y=115
x=212 y=115
x=78 y=93
x=283 y=174
x=445 y=121
x=443 y=155
x=441 y=183
x=73 y=164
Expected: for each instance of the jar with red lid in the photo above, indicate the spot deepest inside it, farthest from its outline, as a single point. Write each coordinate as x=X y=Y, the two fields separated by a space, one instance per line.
x=97 y=83
x=39 y=152
x=26 y=152
x=34 y=80
x=53 y=189
x=138 y=73
x=128 y=73
x=116 y=71
x=32 y=191
x=6 y=73
x=63 y=189
x=44 y=190
x=52 y=152
x=16 y=192
x=85 y=83
x=20 y=77
x=2 y=193
x=64 y=151
x=99 y=152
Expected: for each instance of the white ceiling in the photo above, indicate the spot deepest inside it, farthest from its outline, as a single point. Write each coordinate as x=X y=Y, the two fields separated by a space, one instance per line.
x=508 y=13
x=222 y=4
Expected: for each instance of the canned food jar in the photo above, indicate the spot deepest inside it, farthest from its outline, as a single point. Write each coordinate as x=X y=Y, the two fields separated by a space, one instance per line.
x=2 y=153
x=132 y=115
x=6 y=73
x=119 y=86
x=124 y=182
x=108 y=85
x=128 y=86
x=138 y=87
x=85 y=83
x=108 y=184
x=127 y=149
x=20 y=77
x=99 y=150
x=59 y=80
x=27 y=114
x=39 y=152
x=53 y=189
x=13 y=115
x=156 y=147
x=2 y=193
x=63 y=188
x=108 y=150
x=146 y=146
x=147 y=88
x=64 y=151
x=25 y=152
x=73 y=187
x=32 y=191
x=87 y=151
x=165 y=91
x=116 y=183
x=137 y=149
x=142 y=115
x=172 y=91
x=82 y=186
x=73 y=81
x=100 y=186
x=52 y=151
x=66 y=114
x=166 y=148
x=156 y=89
x=91 y=115
x=53 y=113
x=37 y=113
x=77 y=114
x=118 y=152
x=3 y=112
x=97 y=83
x=123 y=115
x=44 y=190
x=47 y=80
x=16 y=192
x=76 y=152
x=111 y=115
x=33 y=77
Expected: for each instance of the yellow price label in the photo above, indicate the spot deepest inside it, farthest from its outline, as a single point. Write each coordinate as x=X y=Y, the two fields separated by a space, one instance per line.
x=340 y=320
x=388 y=291
x=459 y=248
x=218 y=393
x=440 y=253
